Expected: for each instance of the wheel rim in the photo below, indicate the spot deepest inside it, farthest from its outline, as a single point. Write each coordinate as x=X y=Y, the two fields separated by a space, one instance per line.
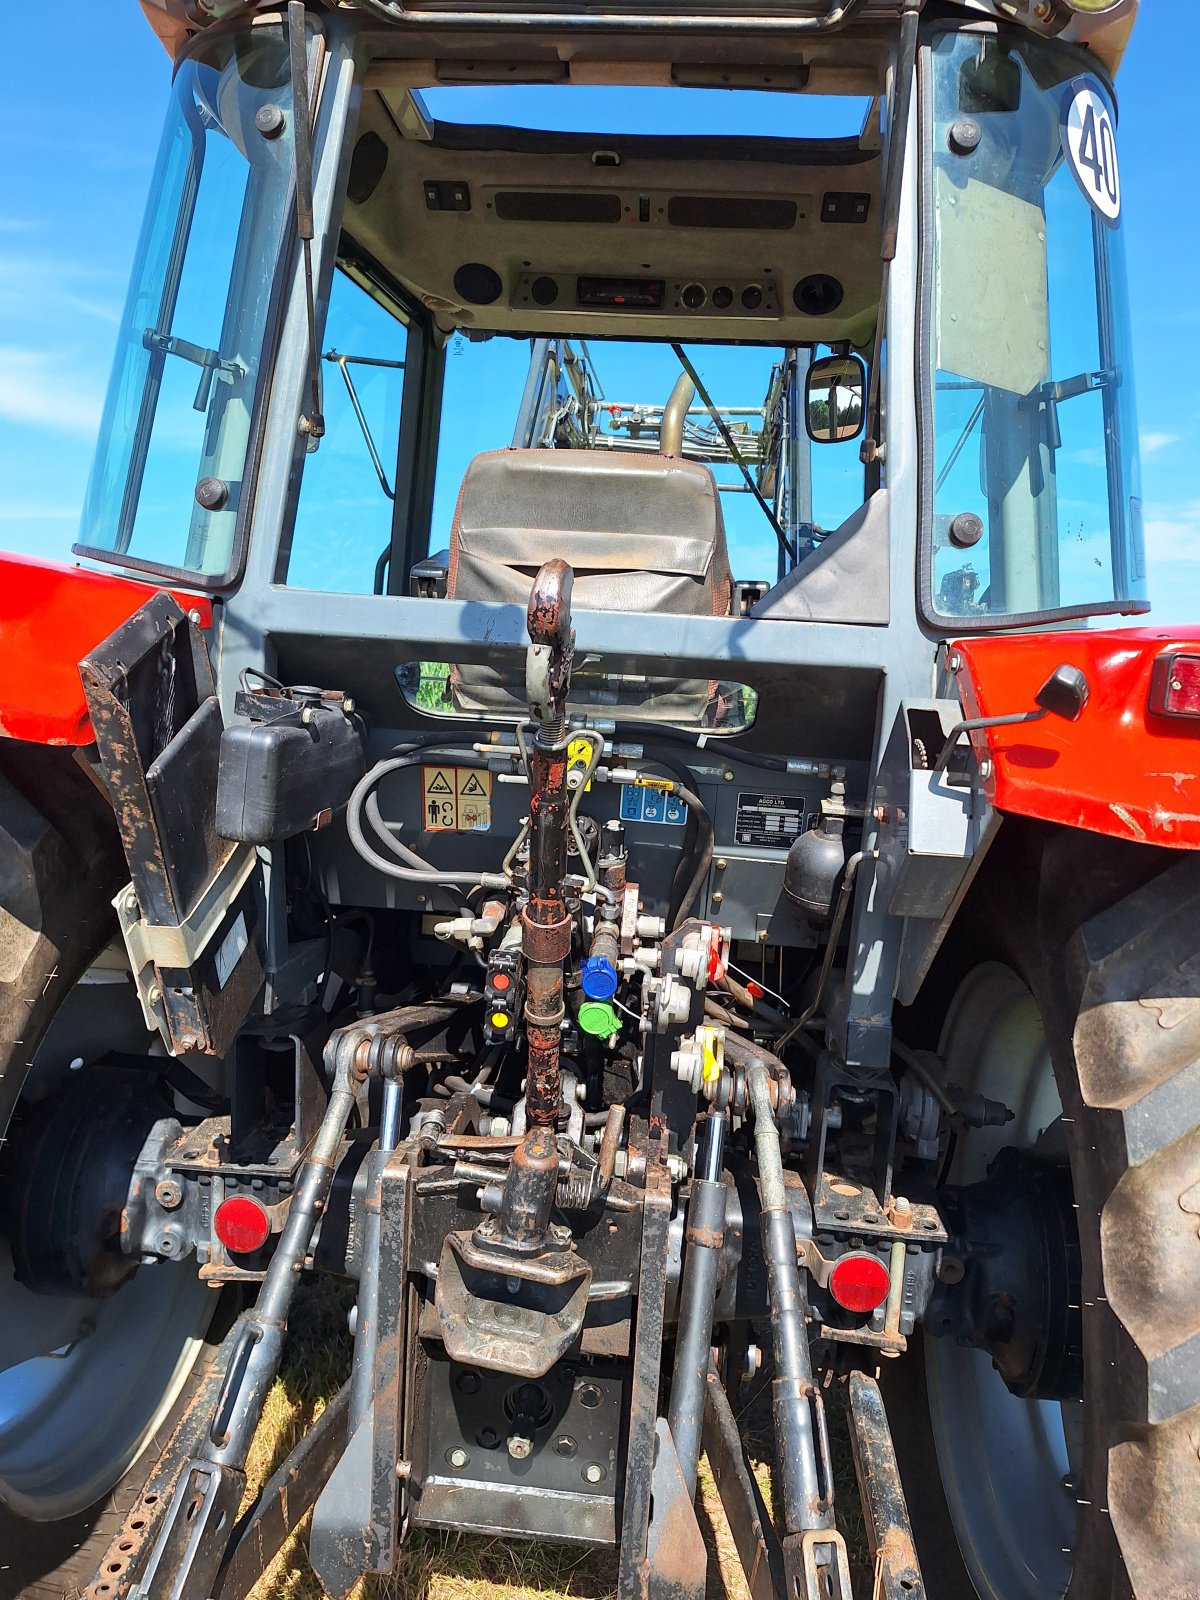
x=99 y=1377
x=1005 y=1462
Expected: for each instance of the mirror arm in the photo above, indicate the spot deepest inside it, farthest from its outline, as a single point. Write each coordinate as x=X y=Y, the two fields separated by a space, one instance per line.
x=731 y=445
x=974 y=724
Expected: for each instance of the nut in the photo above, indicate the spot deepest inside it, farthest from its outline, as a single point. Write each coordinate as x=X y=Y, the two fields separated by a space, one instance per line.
x=519 y=1446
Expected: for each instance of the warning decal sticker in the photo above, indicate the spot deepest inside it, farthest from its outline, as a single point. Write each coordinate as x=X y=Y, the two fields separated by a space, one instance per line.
x=769 y=819
x=455 y=800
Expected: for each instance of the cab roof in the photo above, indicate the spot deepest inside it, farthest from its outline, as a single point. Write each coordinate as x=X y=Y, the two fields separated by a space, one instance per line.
x=1107 y=35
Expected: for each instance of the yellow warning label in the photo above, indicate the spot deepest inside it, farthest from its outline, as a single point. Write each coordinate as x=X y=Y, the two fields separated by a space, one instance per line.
x=579 y=753
x=474 y=800
x=456 y=800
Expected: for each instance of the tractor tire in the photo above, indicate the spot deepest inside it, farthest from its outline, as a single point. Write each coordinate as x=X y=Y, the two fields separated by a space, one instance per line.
x=1096 y=944
x=56 y=920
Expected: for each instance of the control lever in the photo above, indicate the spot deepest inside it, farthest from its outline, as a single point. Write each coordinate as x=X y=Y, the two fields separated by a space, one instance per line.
x=545 y=921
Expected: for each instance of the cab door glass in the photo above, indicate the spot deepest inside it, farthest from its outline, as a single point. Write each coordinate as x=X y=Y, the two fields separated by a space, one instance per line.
x=1036 y=480
x=169 y=476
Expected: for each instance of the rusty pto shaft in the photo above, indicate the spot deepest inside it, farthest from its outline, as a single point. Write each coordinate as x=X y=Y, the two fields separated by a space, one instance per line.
x=546 y=922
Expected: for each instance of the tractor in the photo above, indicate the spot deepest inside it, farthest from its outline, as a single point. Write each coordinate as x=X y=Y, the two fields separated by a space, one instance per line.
x=596 y=783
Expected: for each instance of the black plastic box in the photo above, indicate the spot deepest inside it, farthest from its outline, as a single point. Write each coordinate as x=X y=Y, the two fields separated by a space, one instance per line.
x=283 y=777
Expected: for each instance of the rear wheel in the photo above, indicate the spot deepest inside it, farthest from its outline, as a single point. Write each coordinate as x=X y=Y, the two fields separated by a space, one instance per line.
x=1089 y=1030
x=89 y=1383
x=1004 y=1461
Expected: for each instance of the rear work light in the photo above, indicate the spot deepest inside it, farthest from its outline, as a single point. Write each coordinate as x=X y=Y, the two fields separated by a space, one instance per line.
x=859 y=1282
x=1175 y=686
x=242 y=1225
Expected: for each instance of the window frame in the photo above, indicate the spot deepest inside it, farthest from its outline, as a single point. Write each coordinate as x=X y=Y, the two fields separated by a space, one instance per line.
x=942 y=623
x=287 y=256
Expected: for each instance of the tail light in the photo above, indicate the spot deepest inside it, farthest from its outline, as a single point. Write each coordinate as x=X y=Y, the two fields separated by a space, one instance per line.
x=1175 y=686
x=860 y=1282
x=242 y=1225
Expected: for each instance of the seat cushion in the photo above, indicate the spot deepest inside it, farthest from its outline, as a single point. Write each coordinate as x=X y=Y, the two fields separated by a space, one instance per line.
x=642 y=532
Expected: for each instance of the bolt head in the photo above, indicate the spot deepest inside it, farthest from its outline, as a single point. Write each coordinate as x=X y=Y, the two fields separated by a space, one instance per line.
x=457 y=1457
x=270 y=121
x=212 y=494
x=594 y=1473
x=965 y=135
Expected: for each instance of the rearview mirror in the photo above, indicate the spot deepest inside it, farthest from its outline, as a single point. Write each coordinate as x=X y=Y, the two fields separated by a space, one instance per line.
x=833 y=399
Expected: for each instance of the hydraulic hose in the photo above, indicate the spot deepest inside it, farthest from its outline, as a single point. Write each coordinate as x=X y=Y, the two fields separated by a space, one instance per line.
x=708 y=742
x=703 y=855
x=406 y=872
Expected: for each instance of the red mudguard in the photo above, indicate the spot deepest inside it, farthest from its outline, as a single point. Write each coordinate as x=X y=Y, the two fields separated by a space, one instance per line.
x=1122 y=769
x=51 y=616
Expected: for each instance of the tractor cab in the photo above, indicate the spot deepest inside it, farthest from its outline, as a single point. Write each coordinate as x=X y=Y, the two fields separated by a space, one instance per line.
x=586 y=794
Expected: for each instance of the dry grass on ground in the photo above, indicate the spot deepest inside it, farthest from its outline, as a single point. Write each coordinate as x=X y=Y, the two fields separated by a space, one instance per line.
x=465 y=1566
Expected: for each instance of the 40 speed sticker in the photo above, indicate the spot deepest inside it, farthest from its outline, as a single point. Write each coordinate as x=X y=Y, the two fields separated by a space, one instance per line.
x=1089 y=140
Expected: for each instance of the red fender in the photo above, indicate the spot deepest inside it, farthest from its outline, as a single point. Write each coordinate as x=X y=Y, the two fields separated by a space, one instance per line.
x=1122 y=769
x=51 y=615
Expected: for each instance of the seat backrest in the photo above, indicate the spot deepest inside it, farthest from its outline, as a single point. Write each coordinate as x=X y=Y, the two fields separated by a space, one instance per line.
x=642 y=532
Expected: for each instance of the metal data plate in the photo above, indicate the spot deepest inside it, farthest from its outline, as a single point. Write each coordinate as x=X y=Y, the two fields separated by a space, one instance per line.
x=773 y=820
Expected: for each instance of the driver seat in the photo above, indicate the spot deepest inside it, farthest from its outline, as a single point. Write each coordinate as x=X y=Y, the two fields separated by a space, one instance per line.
x=642 y=533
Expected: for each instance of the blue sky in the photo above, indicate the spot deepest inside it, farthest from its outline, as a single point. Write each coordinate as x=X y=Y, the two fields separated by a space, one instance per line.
x=76 y=152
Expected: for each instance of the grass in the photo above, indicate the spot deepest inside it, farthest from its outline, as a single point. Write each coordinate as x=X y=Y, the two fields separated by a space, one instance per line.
x=460 y=1566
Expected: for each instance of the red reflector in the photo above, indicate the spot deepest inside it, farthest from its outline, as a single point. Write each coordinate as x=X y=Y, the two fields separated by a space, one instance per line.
x=241 y=1225
x=1178 y=686
x=859 y=1282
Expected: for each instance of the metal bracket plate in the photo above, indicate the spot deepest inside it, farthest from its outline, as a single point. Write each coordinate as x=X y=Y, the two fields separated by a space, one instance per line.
x=177 y=947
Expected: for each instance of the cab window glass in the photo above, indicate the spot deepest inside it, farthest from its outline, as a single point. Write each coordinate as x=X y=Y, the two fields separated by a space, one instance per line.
x=343 y=523
x=169 y=474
